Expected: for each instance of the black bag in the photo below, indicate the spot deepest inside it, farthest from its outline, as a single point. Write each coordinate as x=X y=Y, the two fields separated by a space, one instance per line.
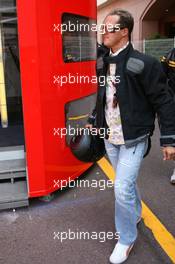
x=87 y=147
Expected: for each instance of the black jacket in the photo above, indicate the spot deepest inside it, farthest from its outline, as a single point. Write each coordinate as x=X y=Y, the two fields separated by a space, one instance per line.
x=142 y=93
x=168 y=63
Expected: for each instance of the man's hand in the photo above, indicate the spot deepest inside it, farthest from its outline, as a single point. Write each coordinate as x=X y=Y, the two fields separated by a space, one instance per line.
x=88 y=126
x=168 y=153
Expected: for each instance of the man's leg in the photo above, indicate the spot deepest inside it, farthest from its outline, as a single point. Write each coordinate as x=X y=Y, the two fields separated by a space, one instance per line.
x=173 y=177
x=112 y=152
x=138 y=204
x=127 y=200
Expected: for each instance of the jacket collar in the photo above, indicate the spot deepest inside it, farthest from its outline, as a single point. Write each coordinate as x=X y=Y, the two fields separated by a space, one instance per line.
x=120 y=57
x=118 y=51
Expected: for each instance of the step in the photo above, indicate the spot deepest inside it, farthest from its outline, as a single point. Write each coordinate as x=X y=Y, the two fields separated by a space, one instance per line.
x=11 y=153
x=13 y=195
x=12 y=176
x=12 y=166
x=9 y=148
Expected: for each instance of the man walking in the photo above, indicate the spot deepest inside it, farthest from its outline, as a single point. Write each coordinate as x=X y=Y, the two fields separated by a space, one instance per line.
x=128 y=108
x=168 y=63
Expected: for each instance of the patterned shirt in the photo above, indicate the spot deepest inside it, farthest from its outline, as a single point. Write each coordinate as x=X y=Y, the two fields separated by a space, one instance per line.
x=112 y=114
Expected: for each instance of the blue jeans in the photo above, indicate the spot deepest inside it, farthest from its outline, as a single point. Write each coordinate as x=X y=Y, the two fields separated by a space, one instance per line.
x=126 y=163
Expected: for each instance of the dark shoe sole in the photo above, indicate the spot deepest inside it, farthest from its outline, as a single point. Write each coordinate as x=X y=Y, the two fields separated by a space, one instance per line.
x=173 y=182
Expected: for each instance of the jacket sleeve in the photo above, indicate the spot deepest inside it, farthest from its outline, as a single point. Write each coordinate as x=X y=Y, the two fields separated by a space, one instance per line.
x=168 y=65
x=101 y=50
x=164 y=65
x=156 y=90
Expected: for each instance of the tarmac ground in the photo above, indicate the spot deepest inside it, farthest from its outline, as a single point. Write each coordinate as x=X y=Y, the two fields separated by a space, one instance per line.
x=41 y=233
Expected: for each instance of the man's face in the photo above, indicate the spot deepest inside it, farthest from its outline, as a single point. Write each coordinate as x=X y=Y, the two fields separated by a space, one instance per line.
x=111 y=39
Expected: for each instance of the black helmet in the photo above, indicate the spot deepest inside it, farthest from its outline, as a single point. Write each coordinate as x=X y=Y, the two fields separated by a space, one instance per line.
x=87 y=147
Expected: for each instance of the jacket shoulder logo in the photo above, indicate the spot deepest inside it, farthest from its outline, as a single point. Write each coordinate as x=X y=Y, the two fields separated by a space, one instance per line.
x=135 y=65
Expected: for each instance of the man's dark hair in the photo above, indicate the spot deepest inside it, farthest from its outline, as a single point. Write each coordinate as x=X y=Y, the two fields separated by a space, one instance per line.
x=126 y=19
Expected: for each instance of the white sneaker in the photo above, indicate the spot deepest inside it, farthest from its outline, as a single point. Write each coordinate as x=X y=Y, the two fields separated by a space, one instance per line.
x=120 y=253
x=173 y=178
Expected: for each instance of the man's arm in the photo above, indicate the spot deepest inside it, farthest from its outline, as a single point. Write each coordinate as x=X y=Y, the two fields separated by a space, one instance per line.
x=164 y=64
x=168 y=63
x=101 y=50
x=163 y=104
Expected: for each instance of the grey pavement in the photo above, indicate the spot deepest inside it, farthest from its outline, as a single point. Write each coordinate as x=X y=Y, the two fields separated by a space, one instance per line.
x=27 y=235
